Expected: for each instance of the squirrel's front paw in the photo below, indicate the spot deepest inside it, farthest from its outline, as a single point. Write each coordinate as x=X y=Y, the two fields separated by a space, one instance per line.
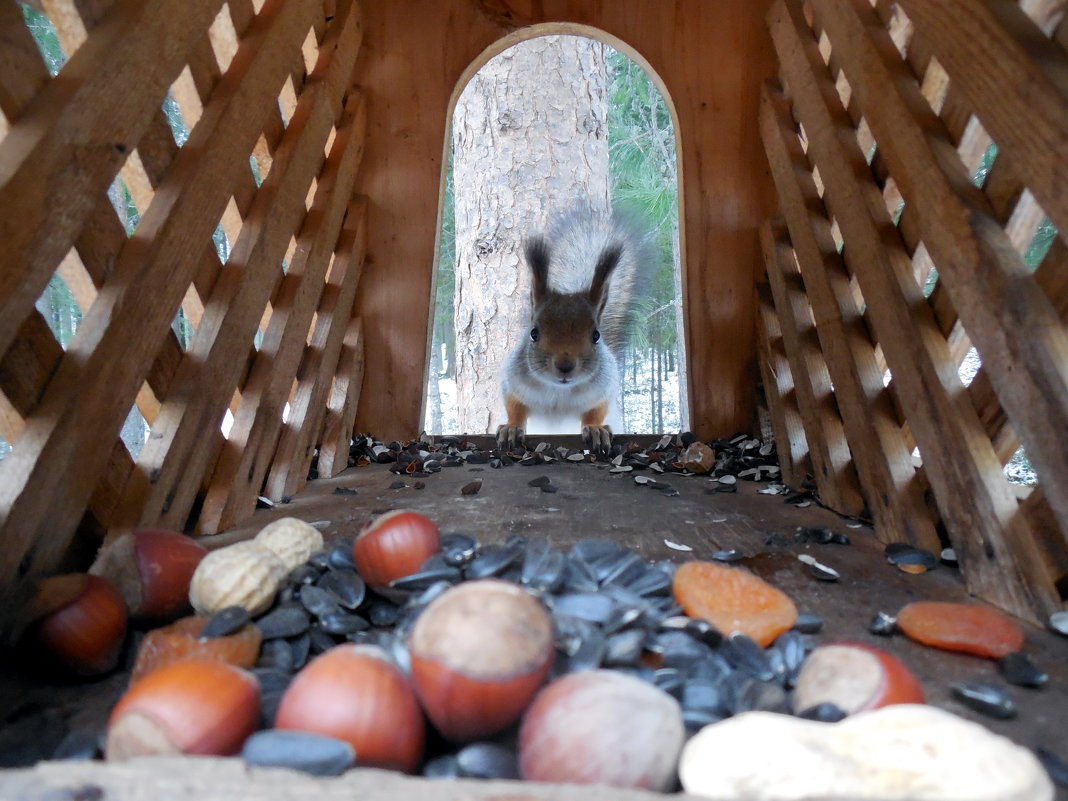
x=597 y=438
x=509 y=437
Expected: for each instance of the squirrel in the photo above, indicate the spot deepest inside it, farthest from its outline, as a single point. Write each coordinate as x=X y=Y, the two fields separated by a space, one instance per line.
x=567 y=363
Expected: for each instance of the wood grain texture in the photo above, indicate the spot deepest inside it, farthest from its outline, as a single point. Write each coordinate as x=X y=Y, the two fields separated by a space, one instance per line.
x=1016 y=329
x=881 y=455
x=711 y=56
x=307 y=408
x=832 y=461
x=791 y=445
x=1020 y=95
x=73 y=138
x=239 y=474
x=343 y=402
x=996 y=547
x=46 y=480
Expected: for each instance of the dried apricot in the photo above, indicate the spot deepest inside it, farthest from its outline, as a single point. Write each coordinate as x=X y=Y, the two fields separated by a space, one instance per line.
x=961 y=627
x=180 y=642
x=733 y=599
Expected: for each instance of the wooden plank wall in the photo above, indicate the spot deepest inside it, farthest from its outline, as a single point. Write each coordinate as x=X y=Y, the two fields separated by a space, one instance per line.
x=892 y=260
x=711 y=55
x=263 y=82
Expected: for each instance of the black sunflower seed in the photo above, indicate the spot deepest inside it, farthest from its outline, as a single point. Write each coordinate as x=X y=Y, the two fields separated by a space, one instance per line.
x=986 y=698
x=882 y=624
x=346 y=586
x=744 y=653
x=285 y=621
x=225 y=622
x=1017 y=668
x=824 y=713
x=487 y=761
x=315 y=754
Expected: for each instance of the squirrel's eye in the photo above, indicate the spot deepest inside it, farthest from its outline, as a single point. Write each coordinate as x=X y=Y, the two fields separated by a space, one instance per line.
x=534 y=334
x=596 y=336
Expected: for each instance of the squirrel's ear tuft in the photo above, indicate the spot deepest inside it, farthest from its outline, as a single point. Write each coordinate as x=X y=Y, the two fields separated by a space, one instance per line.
x=605 y=265
x=537 y=253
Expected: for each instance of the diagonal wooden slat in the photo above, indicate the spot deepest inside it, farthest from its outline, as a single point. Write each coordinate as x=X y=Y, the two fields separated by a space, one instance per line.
x=1023 y=344
x=1021 y=94
x=300 y=434
x=176 y=458
x=243 y=463
x=790 y=441
x=343 y=402
x=832 y=461
x=880 y=452
x=74 y=136
x=47 y=478
x=996 y=546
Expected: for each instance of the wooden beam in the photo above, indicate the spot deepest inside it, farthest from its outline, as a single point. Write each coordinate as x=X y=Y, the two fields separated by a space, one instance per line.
x=1021 y=92
x=882 y=457
x=75 y=135
x=1012 y=322
x=46 y=480
x=832 y=461
x=307 y=408
x=997 y=549
x=791 y=445
x=243 y=463
x=343 y=402
x=177 y=456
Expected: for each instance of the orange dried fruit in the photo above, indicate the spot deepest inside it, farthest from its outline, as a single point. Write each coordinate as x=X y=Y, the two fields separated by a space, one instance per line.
x=733 y=599
x=961 y=627
x=180 y=642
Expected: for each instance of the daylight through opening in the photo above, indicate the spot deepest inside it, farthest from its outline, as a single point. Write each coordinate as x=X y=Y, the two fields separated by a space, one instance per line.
x=553 y=132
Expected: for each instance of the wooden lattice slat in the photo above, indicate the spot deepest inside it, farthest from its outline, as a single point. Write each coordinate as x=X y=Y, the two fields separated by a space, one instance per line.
x=880 y=449
x=997 y=546
x=50 y=474
x=1021 y=94
x=179 y=450
x=245 y=459
x=296 y=445
x=1012 y=322
x=831 y=459
x=75 y=136
x=342 y=404
x=791 y=444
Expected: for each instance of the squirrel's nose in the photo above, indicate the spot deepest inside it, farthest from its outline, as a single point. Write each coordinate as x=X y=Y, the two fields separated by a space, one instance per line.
x=565 y=366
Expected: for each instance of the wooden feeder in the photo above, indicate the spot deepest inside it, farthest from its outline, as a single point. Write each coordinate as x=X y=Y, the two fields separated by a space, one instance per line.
x=840 y=260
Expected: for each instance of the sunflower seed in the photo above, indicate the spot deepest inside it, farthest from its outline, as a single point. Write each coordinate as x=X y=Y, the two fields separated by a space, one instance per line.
x=882 y=624
x=1058 y=622
x=285 y=621
x=1017 y=668
x=729 y=556
x=417 y=582
x=346 y=585
x=442 y=767
x=343 y=623
x=487 y=761
x=493 y=560
x=589 y=606
x=808 y=623
x=986 y=698
x=824 y=713
x=225 y=622
x=1056 y=767
x=744 y=653
x=318 y=601
x=315 y=754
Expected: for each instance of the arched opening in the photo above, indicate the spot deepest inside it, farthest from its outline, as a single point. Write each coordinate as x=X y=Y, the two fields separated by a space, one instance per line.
x=625 y=128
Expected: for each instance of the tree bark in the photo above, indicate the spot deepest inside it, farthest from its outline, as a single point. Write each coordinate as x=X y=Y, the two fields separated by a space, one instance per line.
x=530 y=138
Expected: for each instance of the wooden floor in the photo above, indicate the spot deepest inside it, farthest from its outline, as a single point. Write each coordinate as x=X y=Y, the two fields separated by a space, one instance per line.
x=592 y=502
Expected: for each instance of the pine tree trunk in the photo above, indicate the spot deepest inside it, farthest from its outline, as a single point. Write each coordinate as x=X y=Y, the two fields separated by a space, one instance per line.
x=530 y=138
